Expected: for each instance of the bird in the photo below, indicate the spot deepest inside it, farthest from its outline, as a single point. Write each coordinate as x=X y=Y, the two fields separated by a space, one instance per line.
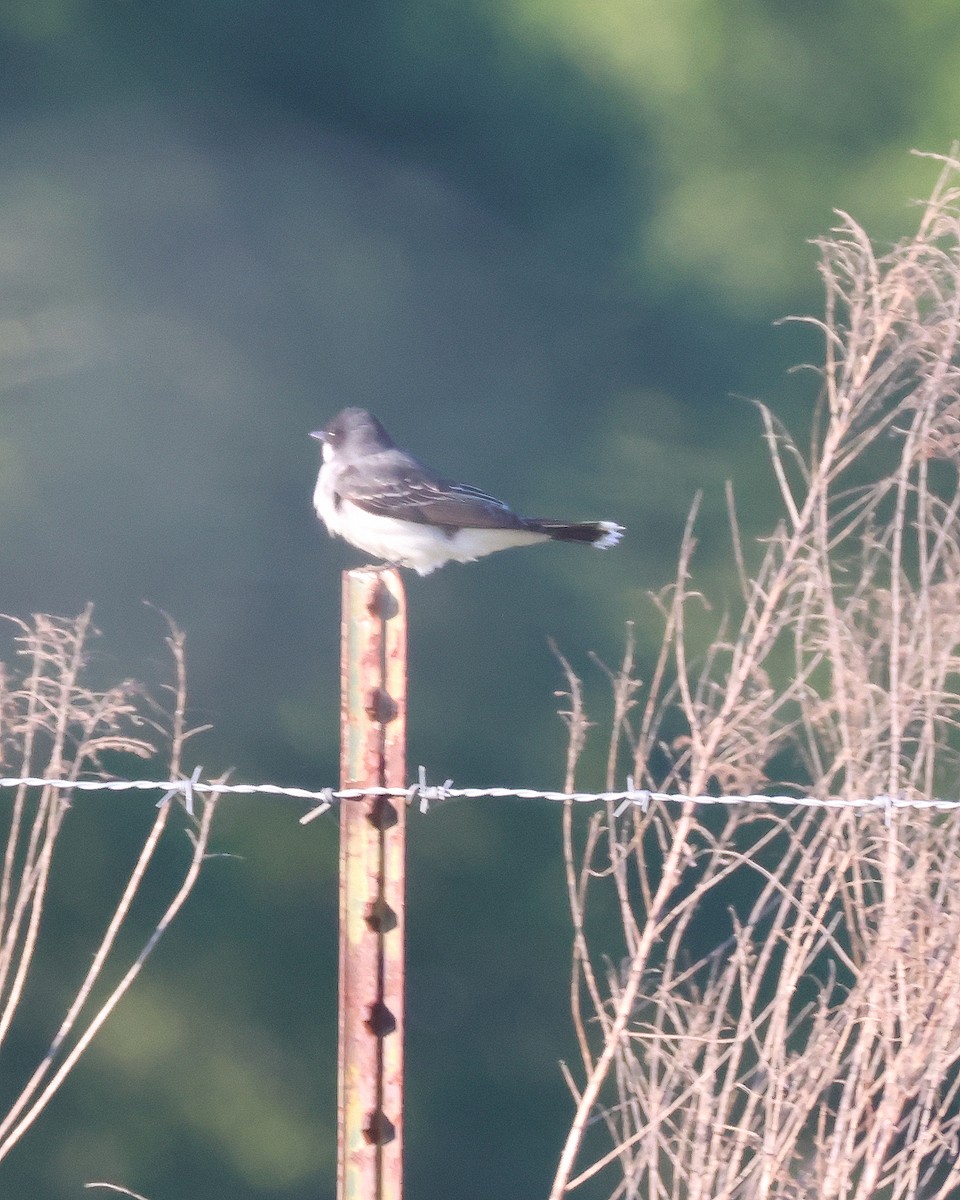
x=385 y=502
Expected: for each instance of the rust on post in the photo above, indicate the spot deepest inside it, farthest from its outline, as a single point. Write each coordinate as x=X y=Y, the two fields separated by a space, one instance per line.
x=372 y=886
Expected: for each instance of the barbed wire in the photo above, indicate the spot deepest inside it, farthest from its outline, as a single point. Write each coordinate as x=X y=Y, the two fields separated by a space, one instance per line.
x=425 y=794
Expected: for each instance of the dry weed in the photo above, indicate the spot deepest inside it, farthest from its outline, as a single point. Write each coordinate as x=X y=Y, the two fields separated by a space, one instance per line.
x=816 y=1050
x=54 y=725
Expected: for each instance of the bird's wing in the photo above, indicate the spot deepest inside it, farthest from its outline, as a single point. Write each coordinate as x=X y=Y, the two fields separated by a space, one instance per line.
x=409 y=492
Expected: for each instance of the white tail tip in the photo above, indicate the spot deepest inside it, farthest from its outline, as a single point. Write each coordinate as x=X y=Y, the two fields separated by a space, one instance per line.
x=612 y=533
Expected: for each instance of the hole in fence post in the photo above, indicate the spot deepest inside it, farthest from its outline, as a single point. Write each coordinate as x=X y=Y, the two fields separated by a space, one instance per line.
x=372 y=885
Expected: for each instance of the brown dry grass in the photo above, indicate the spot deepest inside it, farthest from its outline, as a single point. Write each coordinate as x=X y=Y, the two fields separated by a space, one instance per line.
x=816 y=1050
x=54 y=725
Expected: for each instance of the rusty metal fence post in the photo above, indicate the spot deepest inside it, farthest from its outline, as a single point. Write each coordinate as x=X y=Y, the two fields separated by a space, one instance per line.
x=372 y=884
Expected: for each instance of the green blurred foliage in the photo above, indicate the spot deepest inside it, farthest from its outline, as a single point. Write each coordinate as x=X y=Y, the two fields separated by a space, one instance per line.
x=546 y=242
x=760 y=116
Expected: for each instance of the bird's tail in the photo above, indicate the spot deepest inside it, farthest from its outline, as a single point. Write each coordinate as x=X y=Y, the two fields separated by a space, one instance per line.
x=595 y=533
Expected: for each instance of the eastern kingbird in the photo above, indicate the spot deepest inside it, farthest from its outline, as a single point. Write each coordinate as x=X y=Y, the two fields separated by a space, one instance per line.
x=380 y=499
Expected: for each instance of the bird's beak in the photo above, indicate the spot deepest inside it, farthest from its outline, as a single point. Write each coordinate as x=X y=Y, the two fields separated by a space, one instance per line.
x=319 y=435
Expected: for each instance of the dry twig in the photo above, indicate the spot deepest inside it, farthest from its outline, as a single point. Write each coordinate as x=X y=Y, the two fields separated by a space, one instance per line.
x=816 y=1049
x=54 y=725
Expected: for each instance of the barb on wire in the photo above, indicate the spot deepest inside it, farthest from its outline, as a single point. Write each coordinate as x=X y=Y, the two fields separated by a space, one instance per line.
x=640 y=798
x=326 y=803
x=185 y=787
x=428 y=794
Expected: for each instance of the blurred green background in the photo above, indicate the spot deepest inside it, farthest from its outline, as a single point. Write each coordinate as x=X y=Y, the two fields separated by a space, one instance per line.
x=546 y=243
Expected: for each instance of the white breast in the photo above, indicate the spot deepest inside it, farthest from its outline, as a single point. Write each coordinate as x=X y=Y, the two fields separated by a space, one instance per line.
x=324 y=502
